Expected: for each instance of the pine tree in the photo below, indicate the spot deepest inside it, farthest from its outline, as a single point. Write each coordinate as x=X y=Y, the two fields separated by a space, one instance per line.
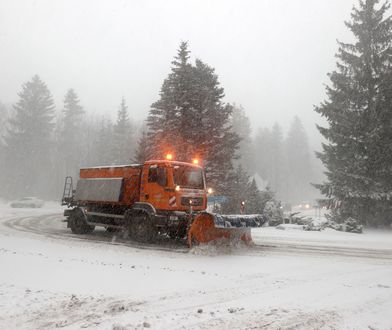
x=71 y=134
x=29 y=141
x=298 y=172
x=358 y=111
x=277 y=175
x=190 y=119
x=102 y=147
x=241 y=125
x=122 y=138
x=254 y=201
x=3 y=121
x=142 y=150
x=236 y=190
x=166 y=118
x=263 y=152
x=269 y=156
x=3 y=128
x=240 y=188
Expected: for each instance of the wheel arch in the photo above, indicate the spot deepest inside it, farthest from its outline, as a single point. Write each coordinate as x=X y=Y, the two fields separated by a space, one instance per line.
x=146 y=207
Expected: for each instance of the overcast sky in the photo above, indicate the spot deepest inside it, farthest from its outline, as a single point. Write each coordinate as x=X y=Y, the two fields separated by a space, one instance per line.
x=272 y=57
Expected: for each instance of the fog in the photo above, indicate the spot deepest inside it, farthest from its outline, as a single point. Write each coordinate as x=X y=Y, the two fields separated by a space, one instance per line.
x=272 y=57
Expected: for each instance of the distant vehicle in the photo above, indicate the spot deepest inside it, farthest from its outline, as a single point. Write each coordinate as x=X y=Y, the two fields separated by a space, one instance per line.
x=31 y=202
x=304 y=205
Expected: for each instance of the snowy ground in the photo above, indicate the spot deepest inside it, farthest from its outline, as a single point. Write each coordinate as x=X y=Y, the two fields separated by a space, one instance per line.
x=291 y=279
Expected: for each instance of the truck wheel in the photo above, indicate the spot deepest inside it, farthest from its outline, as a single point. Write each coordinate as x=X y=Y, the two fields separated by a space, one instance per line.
x=77 y=223
x=142 y=228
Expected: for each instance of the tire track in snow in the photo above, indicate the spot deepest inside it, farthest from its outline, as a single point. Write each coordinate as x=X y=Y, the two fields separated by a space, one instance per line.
x=325 y=251
x=50 y=226
x=46 y=226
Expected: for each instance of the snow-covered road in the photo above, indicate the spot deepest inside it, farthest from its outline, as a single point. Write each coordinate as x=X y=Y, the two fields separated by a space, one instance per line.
x=50 y=278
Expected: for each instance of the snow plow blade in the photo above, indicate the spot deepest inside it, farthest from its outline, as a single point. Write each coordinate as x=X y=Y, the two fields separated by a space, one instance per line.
x=209 y=227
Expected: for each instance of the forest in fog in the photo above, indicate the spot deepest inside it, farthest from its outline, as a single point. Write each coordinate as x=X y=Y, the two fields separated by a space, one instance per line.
x=191 y=115
x=41 y=144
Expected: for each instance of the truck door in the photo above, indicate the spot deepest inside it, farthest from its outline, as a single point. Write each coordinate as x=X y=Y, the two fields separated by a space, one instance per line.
x=154 y=182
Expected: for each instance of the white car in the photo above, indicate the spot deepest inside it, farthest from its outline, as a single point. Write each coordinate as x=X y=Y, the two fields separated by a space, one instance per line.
x=32 y=202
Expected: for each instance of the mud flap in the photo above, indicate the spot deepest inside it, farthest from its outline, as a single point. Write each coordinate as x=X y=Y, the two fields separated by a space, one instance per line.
x=208 y=227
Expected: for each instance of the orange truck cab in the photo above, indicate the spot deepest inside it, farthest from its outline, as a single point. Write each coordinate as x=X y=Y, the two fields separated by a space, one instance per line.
x=173 y=186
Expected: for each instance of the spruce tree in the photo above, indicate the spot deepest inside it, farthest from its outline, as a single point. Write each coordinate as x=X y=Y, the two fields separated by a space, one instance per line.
x=298 y=171
x=3 y=126
x=71 y=134
x=263 y=153
x=191 y=120
x=122 y=136
x=241 y=125
x=166 y=118
x=103 y=143
x=3 y=121
x=269 y=157
x=142 y=150
x=254 y=203
x=29 y=141
x=358 y=111
x=236 y=190
x=277 y=159
x=241 y=188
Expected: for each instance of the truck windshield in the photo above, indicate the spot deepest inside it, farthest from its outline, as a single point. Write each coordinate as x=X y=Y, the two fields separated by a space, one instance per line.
x=188 y=177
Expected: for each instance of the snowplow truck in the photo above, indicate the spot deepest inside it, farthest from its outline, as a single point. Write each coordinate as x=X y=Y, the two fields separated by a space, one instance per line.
x=159 y=197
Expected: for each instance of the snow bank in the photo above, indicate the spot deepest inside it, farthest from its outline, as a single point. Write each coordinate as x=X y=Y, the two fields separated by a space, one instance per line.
x=370 y=239
x=289 y=227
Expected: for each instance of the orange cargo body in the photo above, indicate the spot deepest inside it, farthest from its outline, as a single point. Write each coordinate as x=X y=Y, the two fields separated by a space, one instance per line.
x=130 y=173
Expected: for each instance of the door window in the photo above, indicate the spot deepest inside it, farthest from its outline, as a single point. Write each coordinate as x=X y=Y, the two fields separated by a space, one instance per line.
x=158 y=175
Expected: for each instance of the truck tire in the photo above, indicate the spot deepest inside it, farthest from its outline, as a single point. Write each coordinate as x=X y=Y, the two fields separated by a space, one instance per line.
x=141 y=227
x=78 y=224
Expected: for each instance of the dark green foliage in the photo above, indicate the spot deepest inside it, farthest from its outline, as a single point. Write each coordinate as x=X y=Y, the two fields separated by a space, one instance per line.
x=29 y=141
x=359 y=113
x=190 y=119
x=103 y=144
x=3 y=121
x=72 y=112
x=241 y=187
x=122 y=136
x=269 y=157
x=298 y=169
x=142 y=151
x=241 y=125
x=71 y=134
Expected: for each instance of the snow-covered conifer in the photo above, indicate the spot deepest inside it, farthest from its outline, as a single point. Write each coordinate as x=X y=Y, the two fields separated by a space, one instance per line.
x=122 y=136
x=358 y=111
x=29 y=140
x=191 y=120
x=71 y=134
